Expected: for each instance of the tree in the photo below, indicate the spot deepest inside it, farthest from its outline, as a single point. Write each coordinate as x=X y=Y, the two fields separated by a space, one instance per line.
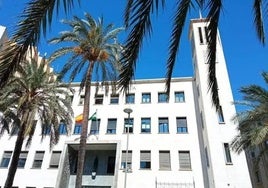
x=253 y=121
x=94 y=49
x=39 y=14
x=33 y=94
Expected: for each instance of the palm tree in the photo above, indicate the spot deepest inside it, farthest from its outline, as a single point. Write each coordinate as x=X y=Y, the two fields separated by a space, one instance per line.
x=253 y=121
x=38 y=15
x=94 y=49
x=33 y=94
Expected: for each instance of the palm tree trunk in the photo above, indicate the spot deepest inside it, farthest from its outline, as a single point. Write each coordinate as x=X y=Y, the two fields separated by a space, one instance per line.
x=83 y=137
x=15 y=158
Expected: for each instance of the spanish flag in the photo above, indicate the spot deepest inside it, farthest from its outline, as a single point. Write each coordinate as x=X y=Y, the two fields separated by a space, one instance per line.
x=79 y=118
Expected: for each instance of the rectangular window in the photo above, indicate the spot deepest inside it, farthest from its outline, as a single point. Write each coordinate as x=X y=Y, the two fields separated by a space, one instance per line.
x=128 y=125
x=179 y=96
x=5 y=159
x=111 y=127
x=145 y=159
x=62 y=128
x=55 y=159
x=146 y=98
x=46 y=129
x=162 y=98
x=126 y=158
x=38 y=159
x=130 y=98
x=207 y=159
x=220 y=115
x=184 y=160
x=164 y=160
x=181 y=125
x=163 y=125
x=95 y=126
x=114 y=99
x=98 y=99
x=82 y=99
x=77 y=128
x=22 y=159
x=227 y=153
x=201 y=40
x=207 y=34
x=145 y=125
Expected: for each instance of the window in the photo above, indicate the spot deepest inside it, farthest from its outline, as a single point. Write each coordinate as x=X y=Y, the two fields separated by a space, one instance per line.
x=46 y=130
x=55 y=159
x=38 y=159
x=111 y=127
x=220 y=115
x=179 y=96
x=181 y=125
x=6 y=158
x=95 y=126
x=163 y=125
x=128 y=125
x=22 y=159
x=98 y=99
x=227 y=153
x=146 y=98
x=162 y=98
x=207 y=34
x=201 y=40
x=145 y=125
x=62 y=128
x=126 y=157
x=207 y=159
x=145 y=159
x=111 y=165
x=130 y=98
x=114 y=99
x=164 y=160
x=77 y=128
x=82 y=99
x=184 y=160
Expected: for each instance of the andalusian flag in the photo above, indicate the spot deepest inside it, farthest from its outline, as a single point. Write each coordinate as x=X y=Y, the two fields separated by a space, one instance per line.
x=79 y=118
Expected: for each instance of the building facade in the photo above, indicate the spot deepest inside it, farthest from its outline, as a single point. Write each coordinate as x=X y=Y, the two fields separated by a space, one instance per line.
x=162 y=143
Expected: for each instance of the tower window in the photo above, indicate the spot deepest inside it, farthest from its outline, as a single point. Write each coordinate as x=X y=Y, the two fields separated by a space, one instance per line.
x=201 y=40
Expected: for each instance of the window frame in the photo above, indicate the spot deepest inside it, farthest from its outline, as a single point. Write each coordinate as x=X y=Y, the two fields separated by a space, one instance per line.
x=178 y=96
x=6 y=157
x=114 y=99
x=38 y=161
x=131 y=125
x=146 y=97
x=56 y=162
x=95 y=124
x=111 y=128
x=143 y=130
x=77 y=128
x=22 y=159
x=185 y=160
x=165 y=129
x=130 y=98
x=98 y=100
x=181 y=128
x=166 y=164
x=145 y=158
x=227 y=154
x=162 y=97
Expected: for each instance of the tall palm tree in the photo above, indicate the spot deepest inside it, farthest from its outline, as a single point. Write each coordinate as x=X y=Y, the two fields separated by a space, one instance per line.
x=93 y=49
x=38 y=15
x=253 y=121
x=33 y=94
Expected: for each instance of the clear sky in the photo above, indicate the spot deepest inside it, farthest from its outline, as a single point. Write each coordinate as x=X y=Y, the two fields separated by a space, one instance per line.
x=246 y=58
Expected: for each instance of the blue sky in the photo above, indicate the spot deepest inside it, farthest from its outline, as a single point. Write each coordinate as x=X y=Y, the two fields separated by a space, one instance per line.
x=246 y=58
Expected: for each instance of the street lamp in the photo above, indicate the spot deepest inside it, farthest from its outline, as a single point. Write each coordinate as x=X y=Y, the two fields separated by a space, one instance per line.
x=128 y=111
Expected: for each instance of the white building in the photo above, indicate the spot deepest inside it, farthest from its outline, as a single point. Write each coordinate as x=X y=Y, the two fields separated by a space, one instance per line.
x=181 y=142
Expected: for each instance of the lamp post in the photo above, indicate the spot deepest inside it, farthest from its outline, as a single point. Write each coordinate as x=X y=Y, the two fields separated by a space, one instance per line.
x=128 y=111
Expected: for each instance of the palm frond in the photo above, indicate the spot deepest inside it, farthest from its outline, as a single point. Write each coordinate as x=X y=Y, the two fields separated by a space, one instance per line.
x=258 y=20
x=140 y=24
x=178 y=25
x=35 y=17
x=214 y=7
